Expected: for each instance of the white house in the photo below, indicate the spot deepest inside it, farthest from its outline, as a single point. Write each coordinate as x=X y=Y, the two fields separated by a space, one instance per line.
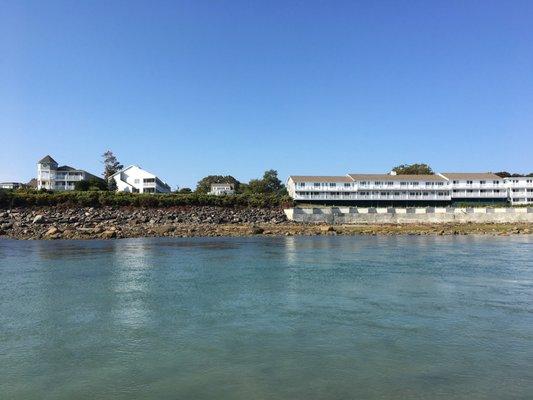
x=220 y=189
x=53 y=177
x=11 y=185
x=519 y=189
x=134 y=179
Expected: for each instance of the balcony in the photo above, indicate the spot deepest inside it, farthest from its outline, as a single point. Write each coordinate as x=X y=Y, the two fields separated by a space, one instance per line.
x=327 y=196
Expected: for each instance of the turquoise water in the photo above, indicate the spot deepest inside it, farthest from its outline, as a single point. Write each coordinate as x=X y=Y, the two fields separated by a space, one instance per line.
x=267 y=318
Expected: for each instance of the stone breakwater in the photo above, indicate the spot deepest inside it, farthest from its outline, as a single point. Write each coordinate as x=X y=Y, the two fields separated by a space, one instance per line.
x=110 y=223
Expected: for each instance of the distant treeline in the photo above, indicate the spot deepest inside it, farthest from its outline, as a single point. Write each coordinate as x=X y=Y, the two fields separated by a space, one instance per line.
x=28 y=198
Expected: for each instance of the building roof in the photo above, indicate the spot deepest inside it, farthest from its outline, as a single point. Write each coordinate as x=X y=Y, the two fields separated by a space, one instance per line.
x=310 y=178
x=471 y=175
x=47 y=159
x=387 y=177
x=222 y=184
x=67 y=168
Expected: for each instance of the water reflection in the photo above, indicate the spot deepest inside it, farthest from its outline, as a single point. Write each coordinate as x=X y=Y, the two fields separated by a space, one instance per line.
x=287 y=317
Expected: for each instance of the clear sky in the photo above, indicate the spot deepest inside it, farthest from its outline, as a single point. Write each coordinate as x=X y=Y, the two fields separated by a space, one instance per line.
x=191 y=88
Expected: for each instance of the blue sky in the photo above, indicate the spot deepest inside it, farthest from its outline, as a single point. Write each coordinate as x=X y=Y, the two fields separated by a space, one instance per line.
x=191 y=88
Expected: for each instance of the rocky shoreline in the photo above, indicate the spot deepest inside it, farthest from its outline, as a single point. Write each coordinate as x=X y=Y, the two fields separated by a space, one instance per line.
x=189 y=221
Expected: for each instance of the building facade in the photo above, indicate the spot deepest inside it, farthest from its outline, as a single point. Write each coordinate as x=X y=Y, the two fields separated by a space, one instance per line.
x=134 y=179
x=221 y=189
x=392 y=189
x=519 y=189
x=51 y=176
x=480 y=187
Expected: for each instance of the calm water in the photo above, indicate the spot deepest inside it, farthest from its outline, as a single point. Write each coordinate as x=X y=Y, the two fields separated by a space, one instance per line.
x=267 y=318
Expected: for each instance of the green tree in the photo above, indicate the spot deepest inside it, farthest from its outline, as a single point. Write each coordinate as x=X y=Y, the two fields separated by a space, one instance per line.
x=112 y=185
x=413 y=169
x=204 y=185
x=111 y=164
x=184 y=190
x=270 y=183
x=503 y=174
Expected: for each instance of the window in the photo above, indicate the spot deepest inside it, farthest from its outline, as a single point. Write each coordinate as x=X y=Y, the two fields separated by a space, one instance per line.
x=332 y=184
x=362 y=183
x=495 y=182
x=301 y=184
x=429 y=183
x=403 y=183
x=390 y=183
x=426 y=194
x=414 y=183
x=136 y=181
x=316 y=184
x=469 y=182
x=440 y=183
x=377 y=183
x=481 y=182
x=455 y=182
x=347 y=184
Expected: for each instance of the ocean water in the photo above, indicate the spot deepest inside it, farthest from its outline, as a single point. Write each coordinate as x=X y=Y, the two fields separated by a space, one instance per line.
x=400 y=317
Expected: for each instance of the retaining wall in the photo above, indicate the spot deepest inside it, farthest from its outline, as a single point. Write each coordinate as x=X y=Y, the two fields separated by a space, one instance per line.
x=395 y=215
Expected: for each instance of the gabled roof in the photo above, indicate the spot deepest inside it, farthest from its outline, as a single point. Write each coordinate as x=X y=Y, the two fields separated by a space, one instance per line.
x=130 y=167
x=396 y=178
x=47 y=159
x=471 y=175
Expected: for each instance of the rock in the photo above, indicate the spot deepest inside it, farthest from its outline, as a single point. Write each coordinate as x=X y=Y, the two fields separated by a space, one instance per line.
x=257 y=230
x=164 y=229
x=52 y=231
x=108 y=234
x=6 y=226
x=327 y=229
x=39 y=219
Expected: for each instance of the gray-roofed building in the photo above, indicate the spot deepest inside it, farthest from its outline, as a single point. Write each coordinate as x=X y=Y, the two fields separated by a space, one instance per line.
x=476 y=186
x=392 y=189
x=369 y=189
x=51 y=176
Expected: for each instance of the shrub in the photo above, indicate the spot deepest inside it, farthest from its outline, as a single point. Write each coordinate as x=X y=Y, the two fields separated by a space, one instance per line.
x=93 y=198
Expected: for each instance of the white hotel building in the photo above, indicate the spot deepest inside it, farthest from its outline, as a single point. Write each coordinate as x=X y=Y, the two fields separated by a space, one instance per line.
x=392 y=189
x=520 y=189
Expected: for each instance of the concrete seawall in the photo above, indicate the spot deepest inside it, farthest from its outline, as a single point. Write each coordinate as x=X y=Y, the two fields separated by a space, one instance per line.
x=394 y=215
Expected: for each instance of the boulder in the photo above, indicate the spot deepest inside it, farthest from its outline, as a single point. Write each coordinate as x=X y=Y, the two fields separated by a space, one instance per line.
x=39 y=219
x=108 y=234
x=257 y=230
x=52 y=231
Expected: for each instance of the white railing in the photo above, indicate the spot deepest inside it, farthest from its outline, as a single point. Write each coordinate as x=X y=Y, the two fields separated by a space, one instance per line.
x=502 y=194
x=370 y=197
